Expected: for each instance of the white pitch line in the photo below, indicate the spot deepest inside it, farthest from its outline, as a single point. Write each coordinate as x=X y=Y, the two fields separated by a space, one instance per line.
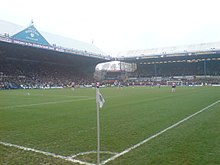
x=46 y=153
x=93 y=152
x=46 y=103
x=157 y=134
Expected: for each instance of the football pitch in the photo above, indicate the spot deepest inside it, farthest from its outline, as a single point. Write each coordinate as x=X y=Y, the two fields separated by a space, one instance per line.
x=138 y=126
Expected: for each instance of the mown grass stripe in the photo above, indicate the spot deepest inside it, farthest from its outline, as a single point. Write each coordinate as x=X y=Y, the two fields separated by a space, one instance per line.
x=45 y=103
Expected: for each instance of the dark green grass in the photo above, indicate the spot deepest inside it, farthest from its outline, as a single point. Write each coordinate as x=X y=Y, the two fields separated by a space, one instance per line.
x=63 y=122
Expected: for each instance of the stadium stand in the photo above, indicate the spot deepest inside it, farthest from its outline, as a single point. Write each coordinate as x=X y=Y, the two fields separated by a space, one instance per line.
x=190 y=64
x=55 y=61
x=30 y=62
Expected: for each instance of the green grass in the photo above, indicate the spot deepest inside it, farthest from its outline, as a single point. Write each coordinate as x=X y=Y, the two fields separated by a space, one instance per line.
x=63 y=122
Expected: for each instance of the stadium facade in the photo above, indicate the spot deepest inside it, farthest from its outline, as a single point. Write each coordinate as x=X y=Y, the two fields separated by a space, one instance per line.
x=10 y=29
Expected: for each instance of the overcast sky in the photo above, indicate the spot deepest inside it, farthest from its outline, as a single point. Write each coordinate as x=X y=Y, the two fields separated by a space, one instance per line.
x=117 y=25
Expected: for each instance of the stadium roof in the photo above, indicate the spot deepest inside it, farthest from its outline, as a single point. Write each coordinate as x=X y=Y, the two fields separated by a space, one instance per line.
x=175 y=50
x=65 y=42
x=12 y=29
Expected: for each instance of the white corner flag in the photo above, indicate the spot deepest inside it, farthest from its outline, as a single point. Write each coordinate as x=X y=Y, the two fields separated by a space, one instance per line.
x=99 y=98
x=99 y=102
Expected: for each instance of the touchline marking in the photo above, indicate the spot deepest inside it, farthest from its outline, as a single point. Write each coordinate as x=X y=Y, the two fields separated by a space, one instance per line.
x=157 y=134
x=70 y=159
x=46 y=103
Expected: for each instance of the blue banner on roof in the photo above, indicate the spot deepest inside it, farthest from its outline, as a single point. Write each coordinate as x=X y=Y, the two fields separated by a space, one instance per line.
x=31 y=34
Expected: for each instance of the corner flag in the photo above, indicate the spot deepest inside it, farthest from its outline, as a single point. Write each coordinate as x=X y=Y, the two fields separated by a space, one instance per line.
x=99 y=102
x=99 y=98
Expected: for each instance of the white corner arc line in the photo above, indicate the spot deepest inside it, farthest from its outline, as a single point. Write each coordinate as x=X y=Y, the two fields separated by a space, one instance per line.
x=46 y=153
x=92 y=152
x=157 y=134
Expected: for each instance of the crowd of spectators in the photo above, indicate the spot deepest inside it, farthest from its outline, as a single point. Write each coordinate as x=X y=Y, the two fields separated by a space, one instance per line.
x=32 y=74
x=45 y=74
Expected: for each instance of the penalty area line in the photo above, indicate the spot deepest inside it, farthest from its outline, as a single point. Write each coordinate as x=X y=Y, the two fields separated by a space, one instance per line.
x=157 y=134
x=67 y=158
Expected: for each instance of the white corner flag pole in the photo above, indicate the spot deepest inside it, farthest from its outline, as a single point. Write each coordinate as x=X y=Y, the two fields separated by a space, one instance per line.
x=99 y=103
x=98 y=128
